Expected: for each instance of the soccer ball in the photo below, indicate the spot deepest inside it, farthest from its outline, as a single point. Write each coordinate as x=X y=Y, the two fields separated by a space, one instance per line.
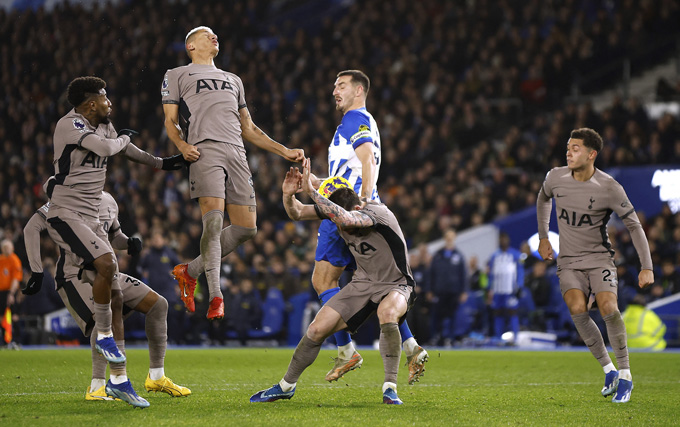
x=331 y=184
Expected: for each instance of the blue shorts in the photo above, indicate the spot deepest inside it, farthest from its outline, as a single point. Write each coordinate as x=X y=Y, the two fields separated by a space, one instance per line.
x=500 y=301
x=332 y=248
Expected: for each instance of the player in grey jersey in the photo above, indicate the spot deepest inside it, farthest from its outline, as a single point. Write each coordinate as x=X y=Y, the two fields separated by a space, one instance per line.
x=206 y=117
x=74 y=286
x=382 y=283
x=83 y=140
x=585 y=198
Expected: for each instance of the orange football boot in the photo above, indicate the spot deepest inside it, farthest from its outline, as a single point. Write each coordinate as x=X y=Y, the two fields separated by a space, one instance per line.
x=187 y=286
x=216 y=310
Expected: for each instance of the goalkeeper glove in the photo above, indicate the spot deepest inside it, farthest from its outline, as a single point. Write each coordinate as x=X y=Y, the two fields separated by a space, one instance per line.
x=33 y=285
x=173 y=163
x=134 y=246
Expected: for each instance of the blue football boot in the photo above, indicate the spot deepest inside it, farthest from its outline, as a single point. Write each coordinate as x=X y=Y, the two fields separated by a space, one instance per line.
x=271 y=394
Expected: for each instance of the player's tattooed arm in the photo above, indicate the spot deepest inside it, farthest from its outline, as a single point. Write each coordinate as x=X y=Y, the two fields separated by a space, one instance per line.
x=353 y=219
x=294 y=208
x=343 y=218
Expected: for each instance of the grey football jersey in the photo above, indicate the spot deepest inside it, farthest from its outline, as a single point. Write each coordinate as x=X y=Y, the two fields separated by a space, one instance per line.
x=209 y=101
x=583 y=210
x=380 y=251
x=80 y=158
x=108 y=214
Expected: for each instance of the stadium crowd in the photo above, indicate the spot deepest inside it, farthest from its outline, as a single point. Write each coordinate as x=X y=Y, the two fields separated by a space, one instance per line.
x=468 y=97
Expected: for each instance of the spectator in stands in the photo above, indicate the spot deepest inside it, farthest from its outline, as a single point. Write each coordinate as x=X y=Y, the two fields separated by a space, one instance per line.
x=419 y=316
x=668 y=282
x=156 y=265
x=506 y=277
x=447 y=287
x=539 y=285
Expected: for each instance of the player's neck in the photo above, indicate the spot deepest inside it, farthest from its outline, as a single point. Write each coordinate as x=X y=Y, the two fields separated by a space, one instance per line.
x=90 y=117
x=355 y=106
x=584 y=174
x=202 y=60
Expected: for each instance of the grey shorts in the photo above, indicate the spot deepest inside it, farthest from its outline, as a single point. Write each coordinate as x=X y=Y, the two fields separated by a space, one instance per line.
x=77 y=297
x=222 y=171
x=593 y=280
x=77 y=234
x=358 y=300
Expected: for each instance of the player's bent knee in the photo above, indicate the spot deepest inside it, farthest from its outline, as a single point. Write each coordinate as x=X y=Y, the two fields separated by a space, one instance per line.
x=389 y=315
x=161 y=306
x=317 y=334
x=106 y=265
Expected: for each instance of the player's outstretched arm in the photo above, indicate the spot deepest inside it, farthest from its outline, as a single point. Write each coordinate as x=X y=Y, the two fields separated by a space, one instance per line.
x=343 y=218
x=294 y=208
x=32 y=230
x=189 y=152
x=256 y=136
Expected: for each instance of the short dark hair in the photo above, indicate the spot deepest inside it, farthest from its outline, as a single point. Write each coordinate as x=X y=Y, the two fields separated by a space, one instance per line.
x=358 y=78
x=591 y=139
x=81 y=88
x=345 y=197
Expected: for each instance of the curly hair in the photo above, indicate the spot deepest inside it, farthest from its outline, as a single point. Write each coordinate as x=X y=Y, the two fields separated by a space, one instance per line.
x=591 y=139
x=81 y=88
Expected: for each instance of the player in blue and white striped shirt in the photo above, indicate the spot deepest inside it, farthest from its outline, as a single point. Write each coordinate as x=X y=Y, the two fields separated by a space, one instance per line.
x=354 y=154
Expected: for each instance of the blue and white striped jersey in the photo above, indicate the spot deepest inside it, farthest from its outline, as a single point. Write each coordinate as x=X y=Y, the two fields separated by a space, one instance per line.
x=506 y=273
x=357 y=127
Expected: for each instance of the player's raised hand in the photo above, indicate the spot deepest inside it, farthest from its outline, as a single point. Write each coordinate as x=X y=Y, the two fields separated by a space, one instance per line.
x=306 y=176
x=645 y=278
x=292 y=183
x=545 y=249
x=190 y=152
x=294 y=154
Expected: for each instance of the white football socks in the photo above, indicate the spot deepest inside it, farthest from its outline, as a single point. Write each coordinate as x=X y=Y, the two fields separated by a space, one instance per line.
x=410 y=346
x=387 y=385
x=101 y=336
x=96 y=384
x=624 y=374
x=286 y=386
x=346 y=351
x=156 y=373
x=609 y=367
x=118 y=379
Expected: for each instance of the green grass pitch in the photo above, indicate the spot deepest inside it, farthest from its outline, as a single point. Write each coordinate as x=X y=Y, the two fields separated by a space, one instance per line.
x=475 y=387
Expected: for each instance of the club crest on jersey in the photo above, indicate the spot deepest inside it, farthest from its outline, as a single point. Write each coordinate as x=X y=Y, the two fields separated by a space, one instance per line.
x=590 y=206
x=78 y=124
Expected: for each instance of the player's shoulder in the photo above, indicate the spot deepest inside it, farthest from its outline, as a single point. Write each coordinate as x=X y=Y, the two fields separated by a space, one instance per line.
x=72 y=122
x=179 y=69
x=559 y=172
x=378 y=211
x=605 y=179
x=357 y=115
x=108 y=201
x=230 y=74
